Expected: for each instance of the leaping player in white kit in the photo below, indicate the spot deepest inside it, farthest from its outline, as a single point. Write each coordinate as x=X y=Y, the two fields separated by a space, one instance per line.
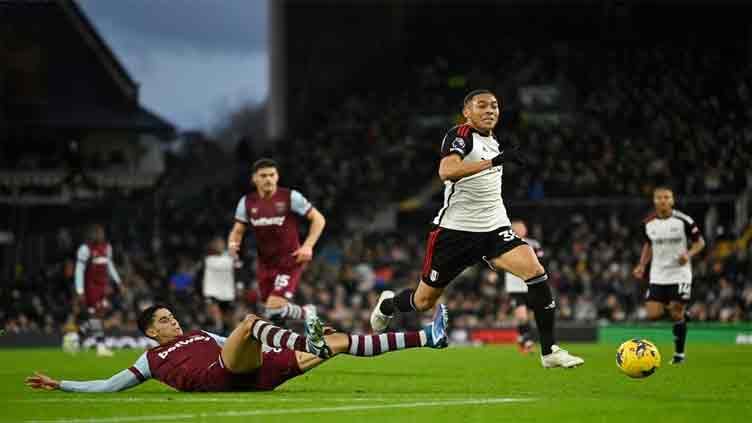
x=667 y=233
x=473 y=226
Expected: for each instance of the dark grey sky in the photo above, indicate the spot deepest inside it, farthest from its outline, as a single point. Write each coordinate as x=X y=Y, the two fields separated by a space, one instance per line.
x=194 y=59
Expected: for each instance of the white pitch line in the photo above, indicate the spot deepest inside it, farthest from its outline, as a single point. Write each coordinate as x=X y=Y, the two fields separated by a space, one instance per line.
x=246 y=413
x=249 y=399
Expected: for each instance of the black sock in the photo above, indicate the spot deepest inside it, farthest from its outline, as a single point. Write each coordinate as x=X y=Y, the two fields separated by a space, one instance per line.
x=680 y=336
x=544 y=306
x=524 y=330
x=402 y=302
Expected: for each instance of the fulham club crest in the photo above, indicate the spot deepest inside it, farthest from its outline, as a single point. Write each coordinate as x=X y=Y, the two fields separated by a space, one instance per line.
x=434 y=275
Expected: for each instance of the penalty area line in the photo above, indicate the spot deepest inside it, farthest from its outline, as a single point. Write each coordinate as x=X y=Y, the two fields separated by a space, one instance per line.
x=312 y=410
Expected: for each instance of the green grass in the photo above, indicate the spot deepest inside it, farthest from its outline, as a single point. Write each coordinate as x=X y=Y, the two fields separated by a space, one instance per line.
x=457 y=385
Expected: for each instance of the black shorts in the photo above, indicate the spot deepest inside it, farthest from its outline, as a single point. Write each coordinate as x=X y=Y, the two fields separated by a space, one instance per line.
x=225 y=306
x=517 y=299
x=676 y=292
x=449 y=252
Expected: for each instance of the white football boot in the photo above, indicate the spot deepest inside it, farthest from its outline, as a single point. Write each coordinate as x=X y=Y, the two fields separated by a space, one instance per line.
x=315 y=342
x=379 y=320
x=560 y=358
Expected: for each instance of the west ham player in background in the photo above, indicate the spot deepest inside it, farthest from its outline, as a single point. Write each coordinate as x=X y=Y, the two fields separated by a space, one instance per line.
x=473 y=226
x=202 y=361
x=274 y=213
x=94 y=269
x=517 y=291
x=667 y=232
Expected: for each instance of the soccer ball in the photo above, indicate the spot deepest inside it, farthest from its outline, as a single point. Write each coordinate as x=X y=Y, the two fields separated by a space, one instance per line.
x=638 y=358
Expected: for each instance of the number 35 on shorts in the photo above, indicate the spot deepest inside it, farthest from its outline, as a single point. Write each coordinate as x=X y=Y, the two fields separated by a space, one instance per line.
x=508 y=235
x=685 y=291
x=281 y=281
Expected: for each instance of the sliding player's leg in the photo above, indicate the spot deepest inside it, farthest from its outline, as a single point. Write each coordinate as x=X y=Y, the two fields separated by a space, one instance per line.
x=433 y=335
x=281 y=365
x=242 y=352
x=274 y=336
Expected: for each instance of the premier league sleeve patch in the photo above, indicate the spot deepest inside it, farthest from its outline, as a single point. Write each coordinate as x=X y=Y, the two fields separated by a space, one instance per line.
x=458 y=146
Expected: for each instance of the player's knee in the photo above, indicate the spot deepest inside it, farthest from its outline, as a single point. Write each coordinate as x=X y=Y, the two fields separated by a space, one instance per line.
x=248 y=322
x=677 y=313
x=534 y=271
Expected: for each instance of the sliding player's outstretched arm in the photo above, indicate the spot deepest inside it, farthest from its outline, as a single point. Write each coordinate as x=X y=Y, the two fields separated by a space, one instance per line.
x=118 y=382
x=126 y=379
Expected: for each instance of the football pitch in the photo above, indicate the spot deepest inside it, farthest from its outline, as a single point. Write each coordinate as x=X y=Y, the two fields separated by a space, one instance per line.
x=464 y=384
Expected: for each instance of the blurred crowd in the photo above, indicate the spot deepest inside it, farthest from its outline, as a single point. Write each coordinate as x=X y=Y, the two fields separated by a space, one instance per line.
x=589 y=259
x=663 y=114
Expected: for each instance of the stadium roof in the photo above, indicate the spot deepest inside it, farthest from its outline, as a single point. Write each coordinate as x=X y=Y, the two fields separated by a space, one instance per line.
x=91 y=37
x=91 y=117
x=73 y=86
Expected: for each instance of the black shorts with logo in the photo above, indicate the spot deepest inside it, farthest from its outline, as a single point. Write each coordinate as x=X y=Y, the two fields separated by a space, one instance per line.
x=676 y=292
x=449 y=252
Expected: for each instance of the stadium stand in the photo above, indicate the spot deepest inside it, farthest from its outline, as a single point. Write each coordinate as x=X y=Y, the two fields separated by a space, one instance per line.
x=613 y=146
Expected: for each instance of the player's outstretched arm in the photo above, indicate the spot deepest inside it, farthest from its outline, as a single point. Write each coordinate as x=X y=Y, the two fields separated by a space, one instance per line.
x=42 y=382
x=119 y=382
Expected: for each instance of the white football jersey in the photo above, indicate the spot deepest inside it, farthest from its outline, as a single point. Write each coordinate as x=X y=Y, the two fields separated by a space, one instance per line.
x=669 y=238
x=219 y=277
x=515 y=285
x=472 y=203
